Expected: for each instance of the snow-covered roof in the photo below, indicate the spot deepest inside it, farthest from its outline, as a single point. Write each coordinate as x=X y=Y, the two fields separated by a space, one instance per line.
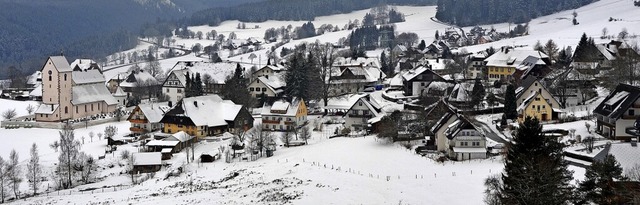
x=162 y=143
x=616 y=98
x=626 y=155
x=527 y=100
x=89 y=93
x=409 y=75
x=119 y=92
x=154 y=112
x=138 y=77
x=461 y=92
x=147 y=158
x=33 y=78
x=180 y=137
x=282 y=108
x=37 y=91
x=218 y=71
x=609 y=54
x=83 y=64
x=47 y=108
x=513 y=57
x=209 y=110
x=61 y=63
x=361 y=61
x=275 y=83
x=86 y=77
x=166 y=150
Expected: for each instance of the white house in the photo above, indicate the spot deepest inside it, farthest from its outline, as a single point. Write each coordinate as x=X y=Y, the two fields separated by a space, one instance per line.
x=353 y=75
x=267 y=86
x=618 y=112
x=456 y=136
x=146 y=117
x=358 y=116
x=284 y=115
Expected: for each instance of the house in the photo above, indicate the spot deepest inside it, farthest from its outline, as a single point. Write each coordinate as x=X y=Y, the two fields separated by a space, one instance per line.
x=213 y=76
x=269 y=87
x=504 y=63
x=456 y=136
x=416 y=80
x=477 y=68
x=146 y=162
x=139 y=82
x=350 y=75
x=617 y=113
x=175 y=84
x=460 y=95
x=284 y=115
x=606 y=54
x=115 y=81
x=572 y=87
x=358 y=116
x=73 y=91
x=207 y=115
x=269 y=71
x=535 y=100
x=146 y=117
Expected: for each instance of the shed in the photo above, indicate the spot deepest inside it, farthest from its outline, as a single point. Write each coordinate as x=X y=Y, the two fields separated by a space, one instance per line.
x=146 y=162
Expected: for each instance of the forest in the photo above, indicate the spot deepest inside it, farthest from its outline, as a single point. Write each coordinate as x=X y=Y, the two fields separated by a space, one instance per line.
x=469 y=13
x=296 y=10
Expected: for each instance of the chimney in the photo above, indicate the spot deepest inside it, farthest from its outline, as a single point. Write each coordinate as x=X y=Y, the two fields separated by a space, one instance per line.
x=195 y=103
x=170 y=104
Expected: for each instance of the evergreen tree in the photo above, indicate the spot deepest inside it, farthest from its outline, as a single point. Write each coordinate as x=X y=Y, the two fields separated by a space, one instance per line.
x=586 y=49
x=198 y=89
x=510 y=104
x=598 y=186
x=303 y=76
x=535 y=171
x=385 y=67
x=368 y=20
x=477 y=94
x=422 y=45
x=538 y=46
x=236 y=89
x=187 y=88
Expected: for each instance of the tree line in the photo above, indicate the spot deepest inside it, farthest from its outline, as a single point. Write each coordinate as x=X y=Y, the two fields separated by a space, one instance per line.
x=469 y=13
x=296 y=10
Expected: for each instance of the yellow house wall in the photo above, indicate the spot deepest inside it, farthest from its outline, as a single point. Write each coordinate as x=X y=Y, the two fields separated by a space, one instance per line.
x=532 y=110
x=191 y=130
x=497 y=72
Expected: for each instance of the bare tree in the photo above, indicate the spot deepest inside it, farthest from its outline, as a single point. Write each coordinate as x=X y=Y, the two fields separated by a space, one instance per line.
x=86 y=166
x=91 y=135
x=3 y=179
x=305 y=134
x=99 y=135
x=30 y=109
x=325 y=58
x=14 y=173
x=34 y=169
x=288 y=136
x=131 y=168
x=153 y=68
x=69 y=148
x=9 y=113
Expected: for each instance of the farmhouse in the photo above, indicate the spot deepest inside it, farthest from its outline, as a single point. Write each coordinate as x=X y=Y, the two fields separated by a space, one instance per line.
x=146 y=117
x=284 y=115
x=456 y=136
x=534 y=100
x=206 y=116
x=504 y=63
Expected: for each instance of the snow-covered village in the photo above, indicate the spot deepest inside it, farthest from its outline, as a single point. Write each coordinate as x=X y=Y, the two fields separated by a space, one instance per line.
x=324 y=102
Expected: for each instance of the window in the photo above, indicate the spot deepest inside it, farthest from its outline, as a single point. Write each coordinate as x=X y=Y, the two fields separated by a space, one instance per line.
x=251 y=89
x=360 y=103
x=50 y=77
x=65 y=77
x=632 y=112
x=66 y=109
x=168 y=90
x=85 y=108
x=179 y=90
x=92 y=107
x=76 y=109
x=264 y=89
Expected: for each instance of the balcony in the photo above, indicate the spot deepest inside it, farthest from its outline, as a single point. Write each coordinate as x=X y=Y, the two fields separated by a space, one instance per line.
x=137 y=129
x=139 y=121
x=270 y=121
x=360 y=115
x=629 y=117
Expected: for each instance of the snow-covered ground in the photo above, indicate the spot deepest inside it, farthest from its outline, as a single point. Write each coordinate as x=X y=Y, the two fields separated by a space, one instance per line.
x=20 y=106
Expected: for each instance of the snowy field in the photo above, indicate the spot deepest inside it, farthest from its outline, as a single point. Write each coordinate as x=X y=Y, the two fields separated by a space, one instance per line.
x=20 y=106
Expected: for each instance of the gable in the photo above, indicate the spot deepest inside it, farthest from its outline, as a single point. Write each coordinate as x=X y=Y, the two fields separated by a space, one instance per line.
x=173 y=81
